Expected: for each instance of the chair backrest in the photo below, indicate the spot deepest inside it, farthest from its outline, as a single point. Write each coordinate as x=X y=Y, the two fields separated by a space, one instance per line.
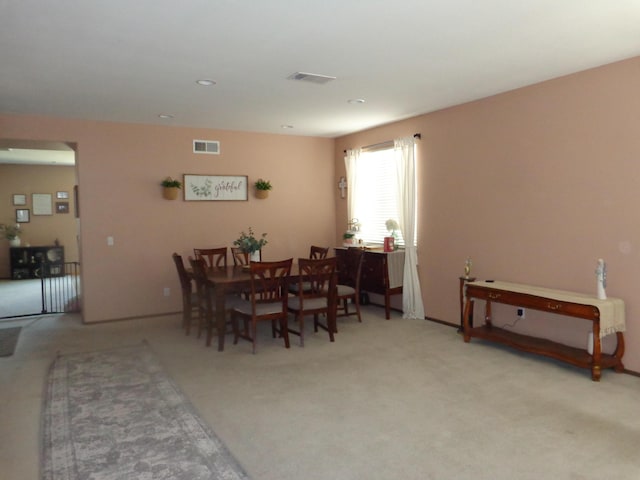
x=242 y=258
x=317 y=277
x=318 y=252
x=213 y=257
x=239 y=257
x=199 y=268
x=269 y=281
x=185 y=280
x=350 y=267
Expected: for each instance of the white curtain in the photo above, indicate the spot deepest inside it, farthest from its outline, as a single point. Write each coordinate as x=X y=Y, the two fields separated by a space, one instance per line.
x=412 y=305
x=350 y=161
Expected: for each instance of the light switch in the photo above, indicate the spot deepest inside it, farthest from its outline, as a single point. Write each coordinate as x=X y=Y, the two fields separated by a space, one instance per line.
x=110 y=241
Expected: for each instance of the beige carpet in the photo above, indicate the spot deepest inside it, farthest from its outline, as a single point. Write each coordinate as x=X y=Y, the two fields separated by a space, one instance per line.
x=391 y=399
x=20 y=297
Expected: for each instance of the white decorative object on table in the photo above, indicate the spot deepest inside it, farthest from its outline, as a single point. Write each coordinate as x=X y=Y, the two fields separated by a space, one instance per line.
x=601 y=278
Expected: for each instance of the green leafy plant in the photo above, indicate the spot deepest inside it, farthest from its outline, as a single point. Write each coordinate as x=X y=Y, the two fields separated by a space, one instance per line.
x=248 y=243
x=348 y=235
x=11 y=232
x=262 y=184
x=171 y=183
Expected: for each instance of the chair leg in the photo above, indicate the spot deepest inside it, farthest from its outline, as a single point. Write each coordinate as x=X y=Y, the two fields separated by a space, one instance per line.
x=285 y=331
x=236 y=330
x=254 y=330
x=301 y=327
x=357 y=302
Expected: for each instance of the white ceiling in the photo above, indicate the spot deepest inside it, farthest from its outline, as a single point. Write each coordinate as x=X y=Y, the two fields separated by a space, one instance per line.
x=131 y=60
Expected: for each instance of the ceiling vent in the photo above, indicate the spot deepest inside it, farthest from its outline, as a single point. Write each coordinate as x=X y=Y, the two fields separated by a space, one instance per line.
x=212 y=147
x=311 y=78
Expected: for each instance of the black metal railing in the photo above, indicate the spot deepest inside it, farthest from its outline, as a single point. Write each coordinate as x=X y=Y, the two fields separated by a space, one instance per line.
x=61 y=288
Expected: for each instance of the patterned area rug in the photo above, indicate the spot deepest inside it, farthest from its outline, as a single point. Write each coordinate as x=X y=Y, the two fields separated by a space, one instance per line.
x=9 y=340
x=116 y=415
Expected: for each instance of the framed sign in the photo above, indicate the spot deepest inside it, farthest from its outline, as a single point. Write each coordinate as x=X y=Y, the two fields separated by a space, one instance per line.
x=62 y=207
x=215 y=187
x=41 y=204
x=22 y=215
x=62 y=194
x=19 y=199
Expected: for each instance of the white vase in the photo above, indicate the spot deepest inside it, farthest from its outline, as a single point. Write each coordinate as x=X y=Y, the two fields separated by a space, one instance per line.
x=255 y=256
x=14 y=242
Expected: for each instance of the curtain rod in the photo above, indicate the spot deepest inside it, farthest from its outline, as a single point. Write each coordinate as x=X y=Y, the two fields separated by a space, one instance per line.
x=384 y=144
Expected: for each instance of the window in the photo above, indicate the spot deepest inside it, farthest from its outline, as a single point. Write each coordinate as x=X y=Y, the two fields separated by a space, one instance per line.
x=376 y=195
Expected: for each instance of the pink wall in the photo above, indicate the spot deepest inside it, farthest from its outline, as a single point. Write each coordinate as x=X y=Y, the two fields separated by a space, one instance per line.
x=120 y=167
x=42 y=229
x=534 y=185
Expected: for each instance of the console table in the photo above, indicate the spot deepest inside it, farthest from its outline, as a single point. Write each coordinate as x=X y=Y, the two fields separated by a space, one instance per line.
x=607 y=316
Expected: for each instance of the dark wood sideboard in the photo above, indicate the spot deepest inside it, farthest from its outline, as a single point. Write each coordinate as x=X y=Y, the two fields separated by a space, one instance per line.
x=29 y=262
x=376 y=276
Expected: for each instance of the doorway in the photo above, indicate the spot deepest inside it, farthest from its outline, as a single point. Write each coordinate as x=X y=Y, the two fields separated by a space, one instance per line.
x=40 y=179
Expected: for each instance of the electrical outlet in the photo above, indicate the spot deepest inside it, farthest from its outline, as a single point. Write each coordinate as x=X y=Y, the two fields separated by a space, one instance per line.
x=167 y=291
x=520 y=312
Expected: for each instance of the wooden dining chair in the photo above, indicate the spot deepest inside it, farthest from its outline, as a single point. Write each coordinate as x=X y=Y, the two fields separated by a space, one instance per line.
x=316 y=252
x=316 y=297
x=189 y=297
x=206 y=300
x=213 y=257
x=349 y=273
x=242 y=258
x=267 y=301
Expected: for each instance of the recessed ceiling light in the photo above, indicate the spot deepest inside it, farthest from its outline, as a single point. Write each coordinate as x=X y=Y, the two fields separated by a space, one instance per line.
x=355 y=101
x=205 y=82
x=286 y=126
x=165 y=116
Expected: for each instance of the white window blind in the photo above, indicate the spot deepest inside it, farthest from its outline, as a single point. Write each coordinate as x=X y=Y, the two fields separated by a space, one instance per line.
x=376 y=195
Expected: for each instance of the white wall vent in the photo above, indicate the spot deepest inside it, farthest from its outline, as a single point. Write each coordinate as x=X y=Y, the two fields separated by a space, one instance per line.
x=212 y=147
x=311 y=77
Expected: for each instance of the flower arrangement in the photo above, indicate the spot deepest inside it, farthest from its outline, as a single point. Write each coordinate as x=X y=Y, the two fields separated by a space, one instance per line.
x=248 y=243
x=11 y=232
x=392 y=226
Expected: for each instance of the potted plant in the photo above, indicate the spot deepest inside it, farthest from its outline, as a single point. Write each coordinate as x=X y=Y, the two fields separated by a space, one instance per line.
x=12 y=233
x=262 y=188
x=248 y=243
x=347 y=237
x=170 y=188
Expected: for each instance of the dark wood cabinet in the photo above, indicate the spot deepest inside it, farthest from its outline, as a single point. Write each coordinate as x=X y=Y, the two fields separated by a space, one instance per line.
x=34 y=262
x=382 y=273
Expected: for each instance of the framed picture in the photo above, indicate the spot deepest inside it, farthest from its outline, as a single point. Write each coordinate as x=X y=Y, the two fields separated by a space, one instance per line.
x=19 y=199
x=62 y=194
x=22 y=215
x=62 y=207
x=215 y=187
x=42 y=204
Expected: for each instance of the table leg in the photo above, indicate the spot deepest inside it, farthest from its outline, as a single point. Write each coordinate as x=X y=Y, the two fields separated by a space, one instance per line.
x=220 y=296
x=619 y=368
x=597 y=353
x=466 y=319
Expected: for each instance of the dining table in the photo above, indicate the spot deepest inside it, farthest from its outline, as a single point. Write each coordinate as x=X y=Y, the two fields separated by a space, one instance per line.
x=227 y=280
